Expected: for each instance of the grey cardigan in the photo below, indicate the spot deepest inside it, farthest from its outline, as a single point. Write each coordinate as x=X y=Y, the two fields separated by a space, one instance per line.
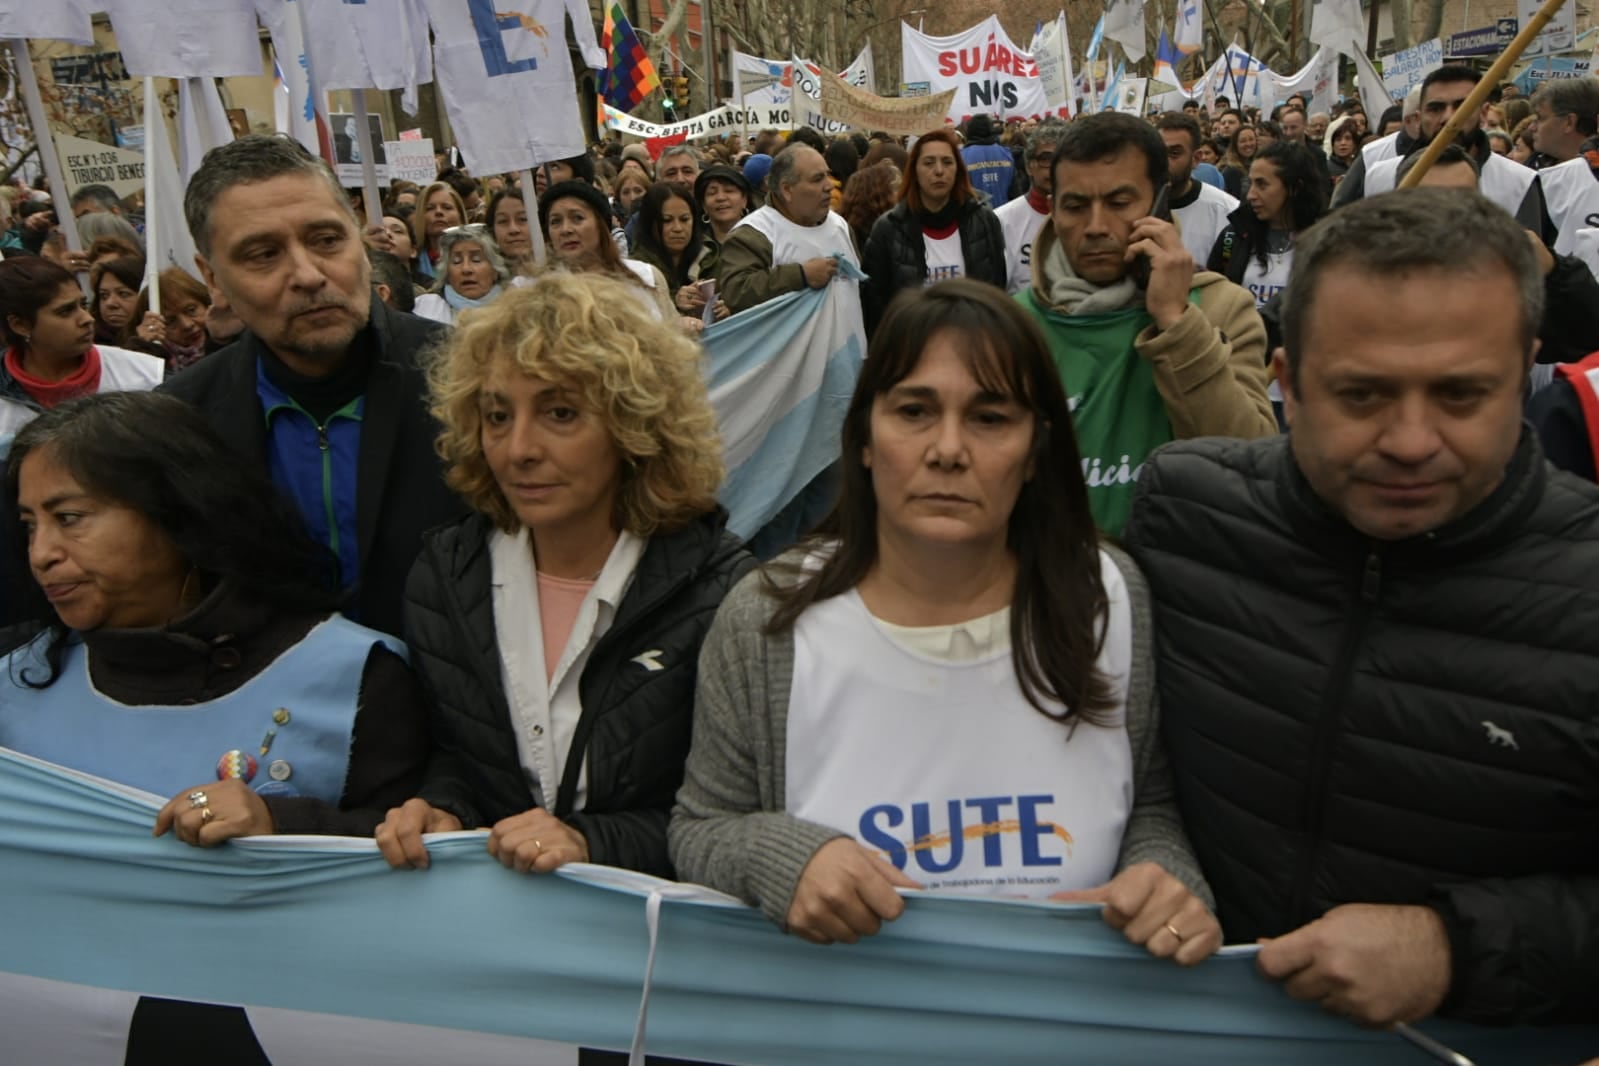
x=729 y=830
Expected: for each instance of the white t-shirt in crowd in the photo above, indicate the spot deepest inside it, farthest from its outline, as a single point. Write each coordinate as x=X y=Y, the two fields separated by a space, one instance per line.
x=1021 y=223
x=921 y=745
x=1264 y=282
x=1202 y=221
x=945 y=259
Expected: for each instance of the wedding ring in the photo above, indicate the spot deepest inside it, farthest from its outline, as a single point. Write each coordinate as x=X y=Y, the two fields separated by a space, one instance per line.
x=1172 y=929
x=540 y=846
x=198 y=799
x=206 y=814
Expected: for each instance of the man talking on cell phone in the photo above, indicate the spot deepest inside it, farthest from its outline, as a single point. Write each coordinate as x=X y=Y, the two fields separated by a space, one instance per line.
x=1150 y=349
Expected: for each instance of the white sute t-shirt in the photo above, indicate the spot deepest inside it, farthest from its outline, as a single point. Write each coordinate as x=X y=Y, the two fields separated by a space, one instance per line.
x=1021 y=223
x=1202 y=221
x=945 y=259
x=938 y=762
x=1264 y=282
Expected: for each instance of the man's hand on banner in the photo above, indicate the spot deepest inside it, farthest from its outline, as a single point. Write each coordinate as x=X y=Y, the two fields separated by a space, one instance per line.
x=399 y=838
x=536 y=841
x=845 y=893
x=1155 y=911
x=1377 y=964
x=217 y=811
x=819 y=271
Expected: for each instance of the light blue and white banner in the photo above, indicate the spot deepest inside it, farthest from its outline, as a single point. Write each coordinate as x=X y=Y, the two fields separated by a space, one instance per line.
x=780 y=377
x=321 y=924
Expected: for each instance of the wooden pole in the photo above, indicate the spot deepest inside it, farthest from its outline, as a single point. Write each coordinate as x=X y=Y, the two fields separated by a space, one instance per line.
x=1469 y=111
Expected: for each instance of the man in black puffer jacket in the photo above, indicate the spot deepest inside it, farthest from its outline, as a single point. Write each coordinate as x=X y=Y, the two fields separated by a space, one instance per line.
x=1377 y=654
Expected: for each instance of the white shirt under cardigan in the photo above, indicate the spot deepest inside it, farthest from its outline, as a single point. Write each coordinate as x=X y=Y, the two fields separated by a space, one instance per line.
x=919 y=743
x=544 y=714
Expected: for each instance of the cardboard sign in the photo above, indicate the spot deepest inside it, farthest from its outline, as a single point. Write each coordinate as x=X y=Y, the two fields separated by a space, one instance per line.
x=411 y=160
x=85 y=162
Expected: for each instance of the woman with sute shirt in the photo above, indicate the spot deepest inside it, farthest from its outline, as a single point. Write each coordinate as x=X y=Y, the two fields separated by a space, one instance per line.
x=948 y=688
x=938 y=230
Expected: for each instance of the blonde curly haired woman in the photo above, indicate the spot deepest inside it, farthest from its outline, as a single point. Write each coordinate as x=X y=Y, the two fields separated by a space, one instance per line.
x=557 y=629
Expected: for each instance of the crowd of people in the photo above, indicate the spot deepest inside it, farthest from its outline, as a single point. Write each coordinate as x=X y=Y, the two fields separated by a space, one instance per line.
x=1186 y=552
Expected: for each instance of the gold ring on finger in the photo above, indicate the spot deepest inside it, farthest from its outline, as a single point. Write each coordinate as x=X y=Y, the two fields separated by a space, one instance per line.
x=1172 y=929
x=207 y=814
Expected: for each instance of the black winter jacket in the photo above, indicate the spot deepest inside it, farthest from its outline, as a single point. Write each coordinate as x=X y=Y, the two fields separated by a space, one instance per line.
x=400 y=490
x=1403 y=722
x=636 y=721
x=895 y=256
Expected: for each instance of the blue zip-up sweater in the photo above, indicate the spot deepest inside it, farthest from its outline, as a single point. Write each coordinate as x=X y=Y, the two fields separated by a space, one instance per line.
x=315 y=464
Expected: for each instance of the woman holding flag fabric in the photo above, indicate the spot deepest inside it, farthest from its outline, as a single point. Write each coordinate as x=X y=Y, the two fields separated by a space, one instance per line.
x=949 y=687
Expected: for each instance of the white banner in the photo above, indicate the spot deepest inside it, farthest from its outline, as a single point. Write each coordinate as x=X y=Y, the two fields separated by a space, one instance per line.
x=85 y=162
x=715 y=123
x=1558 y=36
x=1053 y=58
x=185 y=38
x=1317 y=80
x=759 y=82
x=860 y=73
x=411 y=161
x=55 y=20
x=374 y=44
x=808 y=98
x=1402 y=70
x=989 y=74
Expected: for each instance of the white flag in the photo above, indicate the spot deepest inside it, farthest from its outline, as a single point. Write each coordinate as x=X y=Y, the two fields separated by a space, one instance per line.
x=376 y=44
x=1052 y=53
x=202 y=124
x=171 y=245
x=297 y=99
x=56 y=20
x=507 y=81
x=1338 y=25
x=1190 y=32
x=1124 y=24
x=186 y=38
x=860 y=73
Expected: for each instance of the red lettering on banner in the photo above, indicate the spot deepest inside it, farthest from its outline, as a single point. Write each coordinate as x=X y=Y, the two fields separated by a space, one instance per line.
x=946 y=64
x=971 y=60
x=1004 y=61
x=991 y=57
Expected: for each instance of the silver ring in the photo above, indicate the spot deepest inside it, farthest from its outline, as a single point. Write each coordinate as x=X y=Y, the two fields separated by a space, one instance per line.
x=198 y=799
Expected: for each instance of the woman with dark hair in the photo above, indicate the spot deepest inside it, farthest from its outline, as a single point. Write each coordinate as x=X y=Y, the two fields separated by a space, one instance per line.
x=948 y=687
x=725 y=196
x=508 y=225
x=575 y=218
x=938 y=230
x=868 y=195
x=192 y=651
x=1343 y=145
x=115 y=284
x=178 y=334
x=842 y=161
x=671 y=238
x=1287 y=195
x=1235 y=161
x=51 y=355
x=172 y=577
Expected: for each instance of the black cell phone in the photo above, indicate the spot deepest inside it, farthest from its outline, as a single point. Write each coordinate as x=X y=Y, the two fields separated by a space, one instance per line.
x=1140 y=267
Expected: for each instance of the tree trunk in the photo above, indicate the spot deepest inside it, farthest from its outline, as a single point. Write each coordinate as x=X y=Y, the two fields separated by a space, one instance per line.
x=676 y=18
x=1400 y=12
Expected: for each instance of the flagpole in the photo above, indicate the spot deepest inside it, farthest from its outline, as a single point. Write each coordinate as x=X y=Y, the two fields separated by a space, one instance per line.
x=152 y=217
x=534 y=229
x=369 y=168
x=47 y=149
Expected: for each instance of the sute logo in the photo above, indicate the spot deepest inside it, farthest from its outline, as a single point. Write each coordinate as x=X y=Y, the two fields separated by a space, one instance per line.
x=980 y=819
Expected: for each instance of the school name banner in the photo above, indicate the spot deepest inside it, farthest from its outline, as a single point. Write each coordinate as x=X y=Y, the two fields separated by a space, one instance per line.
x=988 y=73
x=715 y=123
x=321 y=924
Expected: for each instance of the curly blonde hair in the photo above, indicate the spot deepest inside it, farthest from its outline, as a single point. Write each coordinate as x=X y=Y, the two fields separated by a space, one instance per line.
x=639 y=376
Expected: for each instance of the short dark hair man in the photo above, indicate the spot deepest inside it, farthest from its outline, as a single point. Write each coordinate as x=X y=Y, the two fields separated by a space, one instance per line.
x=1443 y=92
x=1384 y=749
x=323 y=389
x=1145 y=357
x=1201 y=210
x=1566 y=114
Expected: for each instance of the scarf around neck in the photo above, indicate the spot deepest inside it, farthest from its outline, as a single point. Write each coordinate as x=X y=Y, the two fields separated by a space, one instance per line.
x=1073 y=295
x=461 y=303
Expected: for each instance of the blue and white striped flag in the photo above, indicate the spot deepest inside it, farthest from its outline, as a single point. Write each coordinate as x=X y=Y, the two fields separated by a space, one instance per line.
x=1096 y=39
x=780 y=377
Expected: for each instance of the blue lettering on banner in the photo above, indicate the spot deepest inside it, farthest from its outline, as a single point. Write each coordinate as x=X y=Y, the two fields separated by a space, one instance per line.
x=927 y=841
x=491 y=28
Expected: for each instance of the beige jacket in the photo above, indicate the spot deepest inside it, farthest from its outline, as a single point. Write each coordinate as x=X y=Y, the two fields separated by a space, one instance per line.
x=1210 y=367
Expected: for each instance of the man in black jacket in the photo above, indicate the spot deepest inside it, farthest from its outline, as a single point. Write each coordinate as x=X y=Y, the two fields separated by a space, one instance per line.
x=1376 y=639
x=323 y=388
